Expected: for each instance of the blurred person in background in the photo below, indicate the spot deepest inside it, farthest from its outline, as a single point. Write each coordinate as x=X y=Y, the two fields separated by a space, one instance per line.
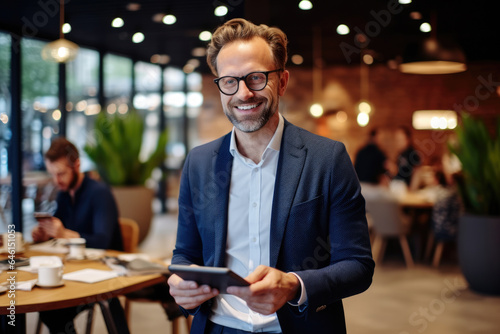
x=371 y=162
x=85 y=209
x=408 y=159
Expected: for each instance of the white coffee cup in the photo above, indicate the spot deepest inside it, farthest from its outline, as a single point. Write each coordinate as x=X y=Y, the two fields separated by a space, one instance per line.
x=77 y=248
x=50 y=274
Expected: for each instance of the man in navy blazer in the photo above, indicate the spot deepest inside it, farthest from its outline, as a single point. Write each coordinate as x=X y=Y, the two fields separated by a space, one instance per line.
x=273 y=202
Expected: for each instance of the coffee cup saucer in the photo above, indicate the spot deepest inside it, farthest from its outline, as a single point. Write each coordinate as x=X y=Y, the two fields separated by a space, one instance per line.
x=61 y=283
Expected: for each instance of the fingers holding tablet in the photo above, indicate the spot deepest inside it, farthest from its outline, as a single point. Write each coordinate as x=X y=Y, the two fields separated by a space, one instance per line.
x=215 y=277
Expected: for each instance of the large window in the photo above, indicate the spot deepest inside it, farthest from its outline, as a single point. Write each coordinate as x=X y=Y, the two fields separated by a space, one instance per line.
x=82 y=90
x=147 y=101
x=39 y=104
x=5 y=132
x=5 y=103
x=182 y=100
x=117 y=83
x=40 y=115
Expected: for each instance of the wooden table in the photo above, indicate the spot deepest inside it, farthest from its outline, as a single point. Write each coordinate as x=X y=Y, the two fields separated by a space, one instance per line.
x=413 y=200
x=72 y=293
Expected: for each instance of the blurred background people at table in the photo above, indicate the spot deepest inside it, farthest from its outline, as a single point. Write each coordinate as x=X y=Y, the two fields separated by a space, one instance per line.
x=371 y=162
x=85 y=209
x=408 y=158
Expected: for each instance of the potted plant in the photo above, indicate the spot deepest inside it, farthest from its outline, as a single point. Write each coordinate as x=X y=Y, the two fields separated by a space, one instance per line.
x=115 y=147
x=479 y=227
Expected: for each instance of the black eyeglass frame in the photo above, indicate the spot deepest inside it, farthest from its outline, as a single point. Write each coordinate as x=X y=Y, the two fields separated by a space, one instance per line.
x=244 y=78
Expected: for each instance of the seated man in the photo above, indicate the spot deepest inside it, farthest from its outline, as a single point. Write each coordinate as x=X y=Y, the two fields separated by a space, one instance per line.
x=85 y=208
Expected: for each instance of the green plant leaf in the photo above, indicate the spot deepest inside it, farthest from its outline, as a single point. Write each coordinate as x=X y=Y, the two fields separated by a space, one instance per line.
x=479 y=154
x=115 y=148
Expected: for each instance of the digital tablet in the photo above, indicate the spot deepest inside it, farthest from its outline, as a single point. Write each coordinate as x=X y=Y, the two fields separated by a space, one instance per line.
x=42 y=215
x=216 y=277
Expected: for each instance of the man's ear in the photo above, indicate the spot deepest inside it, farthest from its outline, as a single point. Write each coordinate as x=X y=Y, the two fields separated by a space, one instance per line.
x=283 y=83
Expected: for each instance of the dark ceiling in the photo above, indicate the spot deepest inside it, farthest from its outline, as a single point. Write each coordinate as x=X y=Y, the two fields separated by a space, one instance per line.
x=473 y=24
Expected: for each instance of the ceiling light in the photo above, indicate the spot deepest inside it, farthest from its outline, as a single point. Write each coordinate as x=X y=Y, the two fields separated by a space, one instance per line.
x=138 y=37
x=367 y=59
x=316 y=110
x=133 y=6
x=425 y=27
x=169 y=19
x=342 y=29
x=297 y=59
x=194 y=62
x=305 y=5
x=220 y=11
x=404 y=2
x=433 y=57
x=363 y=119
x=415 y=15
x=434 y=119
x=117 y=22
x=199 y=52
x=364 y=107
x=61 y=50
x=160 y=59
x=66 y=28
x=205 y=36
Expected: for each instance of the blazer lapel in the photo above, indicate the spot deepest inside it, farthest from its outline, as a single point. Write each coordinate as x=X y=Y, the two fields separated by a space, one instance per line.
x=222 y=164
x=290 y=165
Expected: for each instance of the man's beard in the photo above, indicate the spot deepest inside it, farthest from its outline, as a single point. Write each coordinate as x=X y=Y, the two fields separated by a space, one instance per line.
x=74 y=180
x=252 y=122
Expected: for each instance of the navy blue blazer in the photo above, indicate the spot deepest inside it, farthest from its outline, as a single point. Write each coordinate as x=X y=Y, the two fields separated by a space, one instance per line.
x=318 y=225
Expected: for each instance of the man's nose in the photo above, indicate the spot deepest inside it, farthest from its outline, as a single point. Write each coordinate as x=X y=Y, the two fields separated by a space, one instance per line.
x=243 y=91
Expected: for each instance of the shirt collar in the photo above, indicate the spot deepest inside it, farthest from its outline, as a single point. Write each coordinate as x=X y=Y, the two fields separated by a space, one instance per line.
x=274 y=144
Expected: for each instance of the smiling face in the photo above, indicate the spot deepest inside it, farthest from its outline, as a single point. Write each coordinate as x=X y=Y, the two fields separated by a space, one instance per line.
x=248 y=110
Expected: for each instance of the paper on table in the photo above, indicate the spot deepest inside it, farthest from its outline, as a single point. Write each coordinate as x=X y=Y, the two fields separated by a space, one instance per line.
x=36 y=261
x=90 y=275
x=57 y=246
x=132 y=256
x=23 y=285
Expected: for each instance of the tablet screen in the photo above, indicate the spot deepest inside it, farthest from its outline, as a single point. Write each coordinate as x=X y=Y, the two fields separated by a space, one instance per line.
x=216 y=277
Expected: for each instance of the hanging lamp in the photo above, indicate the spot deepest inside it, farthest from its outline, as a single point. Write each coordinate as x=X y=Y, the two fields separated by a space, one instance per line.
x=61 y=50
x=433 y=56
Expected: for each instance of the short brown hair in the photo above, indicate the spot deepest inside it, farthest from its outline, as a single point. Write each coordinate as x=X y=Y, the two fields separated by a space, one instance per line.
x=62 y=148
x=241 y=29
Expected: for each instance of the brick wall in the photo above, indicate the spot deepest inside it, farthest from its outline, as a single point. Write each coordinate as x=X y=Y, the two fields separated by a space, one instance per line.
x=394 y=97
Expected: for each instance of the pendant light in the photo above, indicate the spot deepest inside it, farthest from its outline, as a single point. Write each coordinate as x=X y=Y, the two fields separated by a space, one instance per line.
x=433 y=56
x=61 y=50
x=316 y=109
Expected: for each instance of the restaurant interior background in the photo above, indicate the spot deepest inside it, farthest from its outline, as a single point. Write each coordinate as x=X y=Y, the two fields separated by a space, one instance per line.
x=165 y=77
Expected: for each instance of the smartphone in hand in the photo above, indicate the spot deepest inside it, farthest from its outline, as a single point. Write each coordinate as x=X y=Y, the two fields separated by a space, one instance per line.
x=42 y=215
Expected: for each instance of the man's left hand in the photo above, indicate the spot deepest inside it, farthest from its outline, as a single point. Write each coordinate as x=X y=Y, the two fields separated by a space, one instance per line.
x=269 y=289
x=54 y=228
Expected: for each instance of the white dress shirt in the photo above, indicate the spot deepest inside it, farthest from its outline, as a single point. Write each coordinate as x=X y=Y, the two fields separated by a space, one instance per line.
x=248 y=235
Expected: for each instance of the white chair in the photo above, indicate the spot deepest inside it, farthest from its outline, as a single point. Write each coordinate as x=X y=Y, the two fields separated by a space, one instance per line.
x=388 y=222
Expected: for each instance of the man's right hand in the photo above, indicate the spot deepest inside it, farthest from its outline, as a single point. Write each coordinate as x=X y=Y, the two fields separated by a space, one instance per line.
x=188 y=294
x=38 y=234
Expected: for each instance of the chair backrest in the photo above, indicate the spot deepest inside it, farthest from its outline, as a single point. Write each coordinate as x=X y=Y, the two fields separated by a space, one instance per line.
x=387 y=216
x=130 y=234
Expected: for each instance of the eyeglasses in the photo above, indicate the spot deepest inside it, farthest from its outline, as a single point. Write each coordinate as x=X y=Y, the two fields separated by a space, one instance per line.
x=255 y=81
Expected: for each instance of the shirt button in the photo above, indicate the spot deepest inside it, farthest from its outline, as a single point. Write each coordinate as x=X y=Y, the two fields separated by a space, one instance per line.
x=254 y=239
x=254 y=204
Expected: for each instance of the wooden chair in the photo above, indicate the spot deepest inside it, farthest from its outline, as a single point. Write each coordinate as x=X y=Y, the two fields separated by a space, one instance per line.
x=388 y=222
x=130 y=240
x=130 y=234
